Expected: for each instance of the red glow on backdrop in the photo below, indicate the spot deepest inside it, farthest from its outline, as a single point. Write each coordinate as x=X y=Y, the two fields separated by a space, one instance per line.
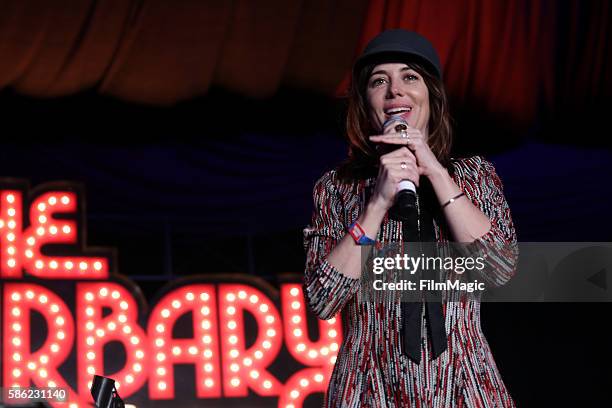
x=231 y=362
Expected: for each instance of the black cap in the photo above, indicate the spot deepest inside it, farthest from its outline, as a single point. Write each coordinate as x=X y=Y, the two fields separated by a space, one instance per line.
x=392 y=44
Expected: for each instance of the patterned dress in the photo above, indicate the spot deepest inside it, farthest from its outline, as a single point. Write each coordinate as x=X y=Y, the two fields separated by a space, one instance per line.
x=371 y=370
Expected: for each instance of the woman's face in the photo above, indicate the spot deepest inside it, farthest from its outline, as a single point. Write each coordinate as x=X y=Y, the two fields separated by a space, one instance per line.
x=395 y=89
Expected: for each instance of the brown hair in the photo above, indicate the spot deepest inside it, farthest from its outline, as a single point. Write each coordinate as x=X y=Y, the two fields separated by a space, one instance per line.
x=363 y=158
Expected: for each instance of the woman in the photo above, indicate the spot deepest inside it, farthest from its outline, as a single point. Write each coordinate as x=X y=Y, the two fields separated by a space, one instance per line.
x=379 y=363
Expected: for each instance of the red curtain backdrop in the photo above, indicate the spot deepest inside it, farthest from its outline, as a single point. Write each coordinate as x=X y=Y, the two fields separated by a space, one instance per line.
x=503 y=56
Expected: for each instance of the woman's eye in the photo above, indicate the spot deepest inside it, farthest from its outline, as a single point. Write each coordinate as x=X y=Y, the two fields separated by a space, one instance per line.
x=378 y=81
x=411 y=77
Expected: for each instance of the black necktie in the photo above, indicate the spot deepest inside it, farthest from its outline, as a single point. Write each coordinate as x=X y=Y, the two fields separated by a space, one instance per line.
x=418 y=227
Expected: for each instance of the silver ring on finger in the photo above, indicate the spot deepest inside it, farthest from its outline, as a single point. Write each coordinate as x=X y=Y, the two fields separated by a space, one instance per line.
x=403 y=165
x=404 y=134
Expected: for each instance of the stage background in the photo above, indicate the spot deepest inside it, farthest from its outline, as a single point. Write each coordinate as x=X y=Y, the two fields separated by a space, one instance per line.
x=198 y=130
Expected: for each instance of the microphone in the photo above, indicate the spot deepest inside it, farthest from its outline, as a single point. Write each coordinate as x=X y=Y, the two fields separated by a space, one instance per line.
x=405 y=198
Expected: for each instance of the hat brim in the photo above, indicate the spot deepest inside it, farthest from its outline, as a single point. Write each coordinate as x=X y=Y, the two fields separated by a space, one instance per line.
x=384 y=56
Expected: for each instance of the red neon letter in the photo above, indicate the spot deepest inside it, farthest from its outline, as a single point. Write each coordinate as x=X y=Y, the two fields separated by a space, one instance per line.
x=95 y=331
x=200 y=300
x=21 y=365
x=44 y=229
x=243 y=367
x=10 y=233
x=321 y=354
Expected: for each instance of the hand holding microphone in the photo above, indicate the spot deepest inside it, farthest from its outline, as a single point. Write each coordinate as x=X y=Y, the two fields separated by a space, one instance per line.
x=405 y=198
x=398 y=173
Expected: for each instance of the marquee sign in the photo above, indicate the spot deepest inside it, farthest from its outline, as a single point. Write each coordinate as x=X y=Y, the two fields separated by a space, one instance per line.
x=67 y=315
